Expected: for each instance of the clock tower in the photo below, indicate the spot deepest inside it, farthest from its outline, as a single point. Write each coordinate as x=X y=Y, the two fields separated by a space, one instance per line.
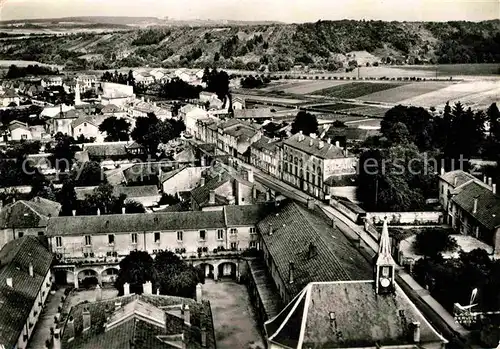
x=385 y=266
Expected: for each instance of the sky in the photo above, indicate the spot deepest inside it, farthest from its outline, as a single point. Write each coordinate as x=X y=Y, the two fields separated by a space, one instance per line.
x=251 y=10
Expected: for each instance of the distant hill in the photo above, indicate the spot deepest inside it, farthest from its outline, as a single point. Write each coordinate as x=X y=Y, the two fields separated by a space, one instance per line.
x=322 y=45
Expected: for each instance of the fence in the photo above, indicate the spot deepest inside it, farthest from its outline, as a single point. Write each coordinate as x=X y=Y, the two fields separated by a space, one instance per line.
x=406 y=218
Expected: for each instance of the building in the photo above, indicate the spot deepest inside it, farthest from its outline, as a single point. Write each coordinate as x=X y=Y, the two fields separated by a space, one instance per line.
x=86 y=82
x=138 y=321
x=301 y=245
x=238 y=103
x=25 y=282
x=62 y=122
x=18 y=131
x=448 y=182
x=92 y=246
x=253 y=114
x=142 y=109
x=88 y=127
x=157 y=74
x=26 y=217
x=354 y=313
x=146 y=195
x=8 y=97
x=181 y=180
x=190 y=114
x=144 y=78
x=265 y=154
x=308 y=162
x=474 y=209
x=56 y=80
x=117 y=94
x=236 y=137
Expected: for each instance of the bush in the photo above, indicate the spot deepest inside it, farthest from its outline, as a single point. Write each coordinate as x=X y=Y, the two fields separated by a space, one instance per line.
x=432 y=242
x=89 y=282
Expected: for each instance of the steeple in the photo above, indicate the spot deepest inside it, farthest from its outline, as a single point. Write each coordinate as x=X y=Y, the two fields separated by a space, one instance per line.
x=78 y=100
x=385 y=265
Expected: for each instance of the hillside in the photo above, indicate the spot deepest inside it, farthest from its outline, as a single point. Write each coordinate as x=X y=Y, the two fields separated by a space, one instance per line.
x=322 y=45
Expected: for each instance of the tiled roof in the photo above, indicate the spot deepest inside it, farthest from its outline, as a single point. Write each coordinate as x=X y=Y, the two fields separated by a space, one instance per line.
x=256 y=113
x=9 y=94
x=303 y=143
x=349 y=315
x=488 y=204
x=165 y=176
x=119 y=223
x=29 y=214
x=245 y=215
x=17 y=301
x=145 y=321
x=241 y=132
x=137 y=191
x=456 y=178
x=106 y=149
x=351 y=133
x=144 y=170
x=95 y=120
x=201 y=194
x=265 y=143
x=295 y=230
x=110 y=108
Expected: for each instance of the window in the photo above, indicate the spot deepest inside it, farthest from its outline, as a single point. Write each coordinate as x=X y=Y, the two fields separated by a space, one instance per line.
x=24 y=136
x=133 y=237
x=385 y=271
x=84 y=124
x=58 y=241
x=253 y=230
x=20 y=234
x=88 y=240
x=203 y=234
x=179 y=236
x=253 y=244
x=220 y=234
x=157 y=237
x=234 y=245
x=40 y=233
x=111 y=239
x=233 y=231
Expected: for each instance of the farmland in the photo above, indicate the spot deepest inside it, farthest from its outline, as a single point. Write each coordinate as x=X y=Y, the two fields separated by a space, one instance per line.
x=457 y=69
x=356 y=89
x=400 y=93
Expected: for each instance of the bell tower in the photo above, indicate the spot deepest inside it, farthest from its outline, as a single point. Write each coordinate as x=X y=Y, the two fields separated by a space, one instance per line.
x=78 y=99
x=385 y=266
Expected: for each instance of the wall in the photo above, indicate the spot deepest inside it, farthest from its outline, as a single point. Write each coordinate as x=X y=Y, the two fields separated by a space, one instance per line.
x=7 y=234
x=186 y=180
x=348 y=192
x=431 y=217
x=353 y=216
x=88 y=130
x=340 y=166
x=18 y=133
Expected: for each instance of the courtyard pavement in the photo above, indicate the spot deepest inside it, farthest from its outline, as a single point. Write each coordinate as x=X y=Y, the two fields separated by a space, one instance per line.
x=234 y=316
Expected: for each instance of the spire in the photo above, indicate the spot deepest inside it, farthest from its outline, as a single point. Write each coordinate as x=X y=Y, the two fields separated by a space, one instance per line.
x=78 y=100
x=384 y=248
x=385 y=264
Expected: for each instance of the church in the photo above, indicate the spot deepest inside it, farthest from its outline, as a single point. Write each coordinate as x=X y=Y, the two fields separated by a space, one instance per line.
x=354 y=314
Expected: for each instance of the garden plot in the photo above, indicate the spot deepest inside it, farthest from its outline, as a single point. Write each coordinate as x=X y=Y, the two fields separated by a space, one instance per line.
x=404 y=92
x=368 y=111
x=463 y=92
x=357 y=89
x=308 y=87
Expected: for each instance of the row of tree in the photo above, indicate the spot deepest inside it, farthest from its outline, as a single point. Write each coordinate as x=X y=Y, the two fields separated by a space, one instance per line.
x=15 y=72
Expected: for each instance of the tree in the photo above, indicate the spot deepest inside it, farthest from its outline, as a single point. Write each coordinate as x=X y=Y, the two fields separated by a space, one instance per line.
x=494 y=121
x=217 y=82
x=305 y=122
x=150 y=131
x=431 y=242
x=176 y=277
x=135 y=269
x=116 y=129
x=66 y=196
x=398 y=134
x=63 y=151
x=132 y=206
x=87 y=174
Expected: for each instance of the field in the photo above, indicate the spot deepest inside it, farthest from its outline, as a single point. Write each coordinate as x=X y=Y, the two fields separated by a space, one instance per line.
x=457 y=69
x=408 y=91
x=335 y=107
x=356 y=89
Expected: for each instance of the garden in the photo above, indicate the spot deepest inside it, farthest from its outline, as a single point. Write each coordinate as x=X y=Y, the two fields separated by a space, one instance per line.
x=356 y=89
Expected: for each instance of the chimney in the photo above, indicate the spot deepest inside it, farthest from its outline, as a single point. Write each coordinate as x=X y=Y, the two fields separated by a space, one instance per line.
x=311 y=142
x=187 y=315
x=494 y=188
x=73 y=212
x=118 y=305
x=442 y=171
x=416 y=332
x=311 y=204
x=211 y=199
x=30 y=269
x=490 y=181
x=199 y=292
x=126 y=289
x=346 y=152
x=98 y=212
x=57 y=339
x=203 y=337
x=202 y=181
x=270 y=228
x=312 y=135
x=148 y=287
x=474 y=210
x=9 y=282
x=329 y=140
x=250 y=175
x=123 y=210
x=142 y=98
x=321 y=144
x=291 y=267
x=70 y=328
x=485 y=179
x=86 y=319
x=455 y=181
x=337 y=144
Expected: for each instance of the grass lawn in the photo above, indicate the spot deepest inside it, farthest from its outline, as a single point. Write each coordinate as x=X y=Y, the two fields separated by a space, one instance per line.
x=356 y=89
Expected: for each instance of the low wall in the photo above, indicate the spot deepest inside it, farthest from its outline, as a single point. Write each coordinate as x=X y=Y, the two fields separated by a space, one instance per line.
x=353 y=215
x=413 y=218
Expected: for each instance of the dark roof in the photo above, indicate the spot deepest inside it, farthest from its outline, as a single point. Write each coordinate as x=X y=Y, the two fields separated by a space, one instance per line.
x=145 y=170
x=9 y=94
x=488 y=204
x=147 y=321
x=359 y=317
x=17 y=301
x=456 y=178
x=137 y=191
x=29 y=214
x=123 y=223
x=245 y=215
x=303 y=143
x=258 y=113
x=110 y=108
x=106 y=149
x=341 y=181
x=296 y=229
x=202 y=194
x=265 y=143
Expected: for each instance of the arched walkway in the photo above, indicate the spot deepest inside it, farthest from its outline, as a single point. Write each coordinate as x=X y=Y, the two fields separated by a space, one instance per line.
x=88 y=277
x=109 y=275
x=227 y=269
x=63 y=276
x=208 y=269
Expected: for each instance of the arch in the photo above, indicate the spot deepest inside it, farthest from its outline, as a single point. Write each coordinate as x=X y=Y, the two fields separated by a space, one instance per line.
x=208 y=269
x=227 y=270
x=63 y=276
x=109 y=275
x=88 y=277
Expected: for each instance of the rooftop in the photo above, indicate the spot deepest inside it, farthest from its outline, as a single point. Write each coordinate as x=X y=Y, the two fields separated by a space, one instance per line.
x=257 y=113
x=318 y=251
x=312 y=146
x=456 y=178
x=349 y=314
x=16 y=302
x=29 y=214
